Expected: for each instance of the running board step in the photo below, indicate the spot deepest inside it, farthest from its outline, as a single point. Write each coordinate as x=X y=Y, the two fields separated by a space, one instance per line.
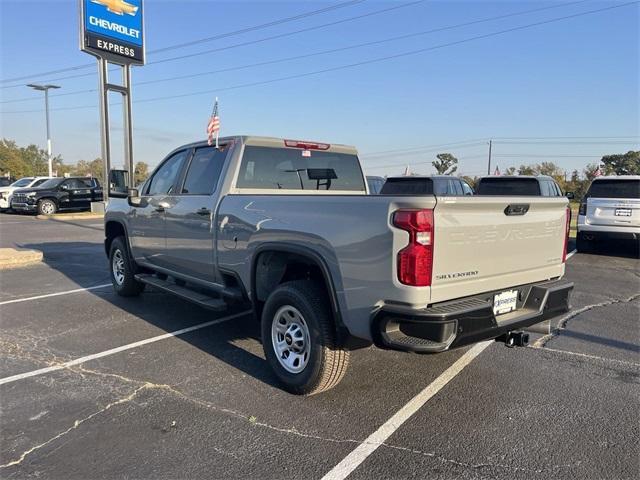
x=198 y=298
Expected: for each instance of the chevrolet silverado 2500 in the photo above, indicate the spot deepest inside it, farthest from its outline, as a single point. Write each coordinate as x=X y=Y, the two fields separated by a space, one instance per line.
x=287 y=227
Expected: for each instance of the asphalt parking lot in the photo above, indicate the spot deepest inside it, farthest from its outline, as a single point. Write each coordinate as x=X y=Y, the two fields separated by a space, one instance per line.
x=203 y=403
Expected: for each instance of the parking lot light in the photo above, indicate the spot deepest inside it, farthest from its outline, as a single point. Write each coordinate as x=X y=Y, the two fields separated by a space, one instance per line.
x=45 y=89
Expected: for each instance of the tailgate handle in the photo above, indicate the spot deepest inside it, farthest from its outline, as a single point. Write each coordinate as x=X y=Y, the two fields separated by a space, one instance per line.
x=516 y=209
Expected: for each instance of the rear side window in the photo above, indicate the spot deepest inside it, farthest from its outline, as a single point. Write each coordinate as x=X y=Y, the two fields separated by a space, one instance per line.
x=510 y=186
x=291 y=169
x=407 y=186
x=204 y=171
x=375 y=184
x=547 y=189
x=165 y=177
x=614 y=189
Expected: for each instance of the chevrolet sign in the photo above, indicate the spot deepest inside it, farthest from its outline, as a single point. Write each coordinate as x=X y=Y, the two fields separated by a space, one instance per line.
x=113 y=29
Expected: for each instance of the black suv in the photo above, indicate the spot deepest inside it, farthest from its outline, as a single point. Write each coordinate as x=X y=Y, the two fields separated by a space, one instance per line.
x=73 y=193
x=441 y=185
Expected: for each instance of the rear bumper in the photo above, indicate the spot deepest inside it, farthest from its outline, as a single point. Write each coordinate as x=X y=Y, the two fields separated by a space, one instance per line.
x=469 y=320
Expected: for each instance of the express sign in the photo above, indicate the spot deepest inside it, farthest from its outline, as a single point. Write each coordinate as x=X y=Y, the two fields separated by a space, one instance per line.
x=113 y=29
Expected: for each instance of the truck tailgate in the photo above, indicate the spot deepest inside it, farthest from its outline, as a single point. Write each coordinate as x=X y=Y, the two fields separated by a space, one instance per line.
x=479 y=245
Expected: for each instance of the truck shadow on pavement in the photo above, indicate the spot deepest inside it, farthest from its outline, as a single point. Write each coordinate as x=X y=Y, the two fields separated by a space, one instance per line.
x=235 y=342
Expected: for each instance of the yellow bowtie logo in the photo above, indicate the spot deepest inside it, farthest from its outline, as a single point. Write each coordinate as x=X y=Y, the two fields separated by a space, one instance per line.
x=119 y=7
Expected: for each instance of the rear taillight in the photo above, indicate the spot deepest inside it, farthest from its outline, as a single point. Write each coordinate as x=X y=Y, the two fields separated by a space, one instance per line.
x=415 y=261
x=566 y=234
x=583 y=208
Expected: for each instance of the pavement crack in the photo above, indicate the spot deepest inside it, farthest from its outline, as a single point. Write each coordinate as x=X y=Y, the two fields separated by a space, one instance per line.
x=562 y=324
x=77 y=424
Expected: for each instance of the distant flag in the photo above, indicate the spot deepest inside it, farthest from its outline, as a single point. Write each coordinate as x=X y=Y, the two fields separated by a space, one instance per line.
x=497 y=171
x=213 y=127
x=598 y=172
x=407 y=172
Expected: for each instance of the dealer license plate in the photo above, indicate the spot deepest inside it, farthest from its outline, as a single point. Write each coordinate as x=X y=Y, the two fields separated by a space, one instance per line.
x=505 y=302
x=623 y=212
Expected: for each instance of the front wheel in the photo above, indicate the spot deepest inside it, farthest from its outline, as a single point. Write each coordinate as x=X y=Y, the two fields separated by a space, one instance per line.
x=47 y=207
x=299 y=339
x=122 y=270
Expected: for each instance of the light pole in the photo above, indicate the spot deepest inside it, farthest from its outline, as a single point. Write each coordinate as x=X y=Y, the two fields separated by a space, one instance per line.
x=45 y=89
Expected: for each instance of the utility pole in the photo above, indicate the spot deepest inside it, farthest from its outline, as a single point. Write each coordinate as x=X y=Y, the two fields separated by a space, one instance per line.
x=489 y=165
x=45 y=89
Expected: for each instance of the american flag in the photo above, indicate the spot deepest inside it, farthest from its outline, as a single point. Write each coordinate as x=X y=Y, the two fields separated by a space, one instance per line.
x=213 y=127
x=598 y=172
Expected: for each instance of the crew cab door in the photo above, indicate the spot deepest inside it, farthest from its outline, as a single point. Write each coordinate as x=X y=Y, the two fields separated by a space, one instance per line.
x=189 y=232
x=79 y=192
x=147 y=221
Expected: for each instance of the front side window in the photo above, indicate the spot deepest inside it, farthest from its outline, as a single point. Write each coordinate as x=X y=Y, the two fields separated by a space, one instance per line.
x=52 y=182
x=37 y=183
x=165 y=177
x=204 y=171
x=294 y=169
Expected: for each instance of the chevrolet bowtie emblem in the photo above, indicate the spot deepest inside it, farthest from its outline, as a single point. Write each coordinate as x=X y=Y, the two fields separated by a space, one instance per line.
x=119 y=7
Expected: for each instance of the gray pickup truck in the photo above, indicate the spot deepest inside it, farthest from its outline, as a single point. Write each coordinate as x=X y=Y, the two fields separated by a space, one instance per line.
x=287 y=227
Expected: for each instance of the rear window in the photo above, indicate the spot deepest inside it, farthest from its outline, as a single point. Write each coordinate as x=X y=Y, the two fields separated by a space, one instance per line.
x=508 y=186
x=289 y=169
x=614 y=189
x=407 y=186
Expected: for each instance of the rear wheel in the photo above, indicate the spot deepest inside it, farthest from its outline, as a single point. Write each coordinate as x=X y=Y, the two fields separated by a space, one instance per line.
x=300 y=341
x=122 y=270
x=47 y=207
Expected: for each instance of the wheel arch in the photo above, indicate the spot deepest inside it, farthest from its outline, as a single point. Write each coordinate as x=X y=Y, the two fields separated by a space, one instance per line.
x=285 y=261
x=112 y=230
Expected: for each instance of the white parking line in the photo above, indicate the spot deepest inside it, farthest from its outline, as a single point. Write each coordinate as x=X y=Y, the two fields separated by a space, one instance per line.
x=377 y=438
x=48 y=295
x=571 y=253
x=78 y=361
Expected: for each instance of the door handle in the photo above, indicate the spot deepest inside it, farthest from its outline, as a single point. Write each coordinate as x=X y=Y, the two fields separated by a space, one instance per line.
x=203 y=211
x=162 y=206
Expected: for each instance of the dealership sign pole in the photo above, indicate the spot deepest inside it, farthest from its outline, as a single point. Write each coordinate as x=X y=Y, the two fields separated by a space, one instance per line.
x=113 y=31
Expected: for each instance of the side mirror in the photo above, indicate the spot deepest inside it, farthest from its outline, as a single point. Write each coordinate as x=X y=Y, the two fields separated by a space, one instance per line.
x=64 y=187
x=570 y=195
x=133 y=198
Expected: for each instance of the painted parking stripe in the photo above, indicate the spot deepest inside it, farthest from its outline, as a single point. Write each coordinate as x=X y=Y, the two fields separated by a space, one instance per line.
x=106 y=353
x=377 y=438
x=57 y=294
x=571 y=253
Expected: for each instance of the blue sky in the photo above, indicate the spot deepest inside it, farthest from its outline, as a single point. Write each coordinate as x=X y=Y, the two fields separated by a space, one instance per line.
x=573 y=78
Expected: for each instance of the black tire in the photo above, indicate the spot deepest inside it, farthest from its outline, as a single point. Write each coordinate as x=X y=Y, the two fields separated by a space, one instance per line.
x=122 y=274
x=46 y=206
x=327 y=361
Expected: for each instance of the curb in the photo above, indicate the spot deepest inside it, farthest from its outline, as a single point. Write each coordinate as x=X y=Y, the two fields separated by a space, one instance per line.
x=71 y=216
x=13 y=257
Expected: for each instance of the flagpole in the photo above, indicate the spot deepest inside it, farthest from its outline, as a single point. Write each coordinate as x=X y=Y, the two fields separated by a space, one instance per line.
x=217 y=131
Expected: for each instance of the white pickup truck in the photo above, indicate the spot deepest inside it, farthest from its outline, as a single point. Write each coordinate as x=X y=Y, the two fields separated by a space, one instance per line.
x=288 y=228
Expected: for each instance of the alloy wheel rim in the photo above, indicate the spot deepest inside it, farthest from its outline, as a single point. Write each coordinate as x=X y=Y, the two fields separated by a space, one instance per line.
x=117 y=266
x=290 y=339
x=47 y=207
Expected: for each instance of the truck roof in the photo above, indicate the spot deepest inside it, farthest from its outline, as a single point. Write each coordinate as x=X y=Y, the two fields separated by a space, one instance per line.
x=617 y=177
x=536 y=177
x=275 y=142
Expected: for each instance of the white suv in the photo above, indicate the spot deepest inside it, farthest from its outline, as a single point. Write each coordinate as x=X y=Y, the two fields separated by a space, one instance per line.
x=25 y=182
x=610 y=209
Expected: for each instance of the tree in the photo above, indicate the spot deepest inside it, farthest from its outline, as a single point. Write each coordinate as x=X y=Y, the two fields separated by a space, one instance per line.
x=471 y=181
x=446 y=164
x=141 y=172
x=510 y=171
x=527 y=170
x=622 y=163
